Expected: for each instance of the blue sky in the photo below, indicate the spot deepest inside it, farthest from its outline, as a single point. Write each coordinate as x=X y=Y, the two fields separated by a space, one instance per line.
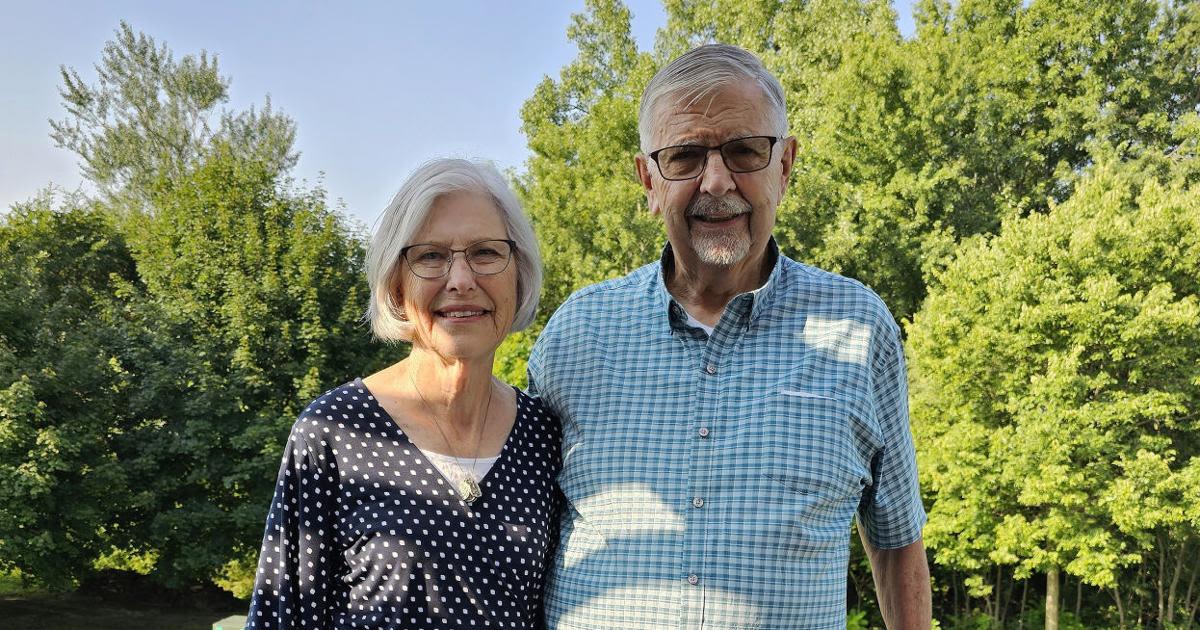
x=375 y=88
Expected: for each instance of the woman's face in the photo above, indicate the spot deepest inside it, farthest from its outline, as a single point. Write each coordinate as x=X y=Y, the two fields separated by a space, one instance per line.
x=461 y=315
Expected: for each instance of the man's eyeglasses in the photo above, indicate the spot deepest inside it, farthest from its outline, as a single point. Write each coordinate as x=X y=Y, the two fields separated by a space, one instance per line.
x=485 y=258
x=741 y=155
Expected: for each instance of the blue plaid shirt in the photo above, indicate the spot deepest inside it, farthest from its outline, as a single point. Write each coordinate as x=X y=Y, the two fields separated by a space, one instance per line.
x=712 y=480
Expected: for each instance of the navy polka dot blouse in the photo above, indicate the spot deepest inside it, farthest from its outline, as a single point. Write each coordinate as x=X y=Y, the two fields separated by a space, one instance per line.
x=364 y=532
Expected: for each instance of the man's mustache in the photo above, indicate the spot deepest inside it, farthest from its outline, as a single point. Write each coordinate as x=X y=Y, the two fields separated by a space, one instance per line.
x=709 y=207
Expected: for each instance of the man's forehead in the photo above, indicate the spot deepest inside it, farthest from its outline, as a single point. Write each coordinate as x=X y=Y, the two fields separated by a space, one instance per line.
x=704 y=136
x=730 y=110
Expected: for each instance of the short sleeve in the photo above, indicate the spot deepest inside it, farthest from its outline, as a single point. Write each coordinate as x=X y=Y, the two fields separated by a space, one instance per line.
x=298 y=566
x=892 y=514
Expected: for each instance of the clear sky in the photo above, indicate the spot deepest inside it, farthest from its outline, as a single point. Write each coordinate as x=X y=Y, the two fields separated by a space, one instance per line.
x=375 y=88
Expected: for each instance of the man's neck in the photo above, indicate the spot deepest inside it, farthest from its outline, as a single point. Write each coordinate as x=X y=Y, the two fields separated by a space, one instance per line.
x=704 y=290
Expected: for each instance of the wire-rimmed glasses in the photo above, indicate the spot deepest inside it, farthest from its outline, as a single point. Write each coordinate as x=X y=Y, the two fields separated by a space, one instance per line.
x=485 y=258
x=741 y=155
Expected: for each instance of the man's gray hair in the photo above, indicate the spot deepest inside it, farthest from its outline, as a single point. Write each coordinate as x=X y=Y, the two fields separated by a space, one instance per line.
x=407 y=213
x=702 y=71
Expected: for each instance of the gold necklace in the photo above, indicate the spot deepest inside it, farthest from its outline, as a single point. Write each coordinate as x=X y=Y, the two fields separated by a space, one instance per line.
x=468 y=489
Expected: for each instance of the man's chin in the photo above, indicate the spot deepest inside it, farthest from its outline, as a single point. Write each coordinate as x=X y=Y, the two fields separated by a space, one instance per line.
x=721 y=254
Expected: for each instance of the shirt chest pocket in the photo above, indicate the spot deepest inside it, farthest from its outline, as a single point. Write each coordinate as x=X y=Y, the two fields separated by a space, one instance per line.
x=809 y=445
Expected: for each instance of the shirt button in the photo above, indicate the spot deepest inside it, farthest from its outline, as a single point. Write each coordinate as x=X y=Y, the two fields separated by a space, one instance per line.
x=698 y=502
x=703 y=432
x=693 y=579
x=711 y=369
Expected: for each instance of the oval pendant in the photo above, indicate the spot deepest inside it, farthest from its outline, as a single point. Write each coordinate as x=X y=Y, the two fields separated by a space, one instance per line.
x=469 y=490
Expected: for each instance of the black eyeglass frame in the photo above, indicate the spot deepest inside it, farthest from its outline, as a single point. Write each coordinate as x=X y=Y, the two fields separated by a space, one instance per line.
x=512 y=250
x=720 y=148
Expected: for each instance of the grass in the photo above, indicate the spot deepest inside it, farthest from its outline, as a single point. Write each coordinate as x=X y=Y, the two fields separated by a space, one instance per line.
x=48 y=612
x=122 y=608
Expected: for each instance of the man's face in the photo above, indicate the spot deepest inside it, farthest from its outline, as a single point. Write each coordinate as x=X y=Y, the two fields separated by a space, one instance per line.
x=719 y=217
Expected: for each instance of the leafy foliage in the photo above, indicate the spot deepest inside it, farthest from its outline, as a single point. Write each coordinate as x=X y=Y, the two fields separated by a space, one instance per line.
x=149 y=118
x=579 y=185
x=1055 y=382
x=164 y=339
x=63 y=488
x=254 y=298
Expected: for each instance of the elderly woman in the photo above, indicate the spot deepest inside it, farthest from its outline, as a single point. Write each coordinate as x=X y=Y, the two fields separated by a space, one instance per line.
x=423 y=496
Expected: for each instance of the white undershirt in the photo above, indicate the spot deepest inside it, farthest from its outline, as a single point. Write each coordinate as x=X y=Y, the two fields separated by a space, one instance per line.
x=695 y=323
x=448 y=464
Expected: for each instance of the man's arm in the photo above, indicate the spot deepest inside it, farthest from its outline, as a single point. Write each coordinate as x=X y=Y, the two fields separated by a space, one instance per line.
x=902 y=585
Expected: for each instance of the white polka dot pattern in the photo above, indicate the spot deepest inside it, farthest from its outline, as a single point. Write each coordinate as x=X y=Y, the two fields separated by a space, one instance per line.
x=363 y=532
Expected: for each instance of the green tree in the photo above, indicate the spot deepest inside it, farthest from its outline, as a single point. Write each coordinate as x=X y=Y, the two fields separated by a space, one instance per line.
x=64 y=492
x=1055 y=382
x=149 y=118
x=988 y=111
x=240 y=301
x=579 y=185
x=256 y=294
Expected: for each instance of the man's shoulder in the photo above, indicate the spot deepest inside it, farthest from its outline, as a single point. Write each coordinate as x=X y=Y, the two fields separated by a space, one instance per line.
x=819 y=291
x=616 y=294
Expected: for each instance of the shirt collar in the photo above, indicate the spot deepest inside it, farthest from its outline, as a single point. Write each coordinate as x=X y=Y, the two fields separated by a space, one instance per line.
x=760 y=298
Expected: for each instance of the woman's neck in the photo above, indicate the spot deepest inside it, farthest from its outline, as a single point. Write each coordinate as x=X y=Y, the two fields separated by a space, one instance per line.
x=456 y=392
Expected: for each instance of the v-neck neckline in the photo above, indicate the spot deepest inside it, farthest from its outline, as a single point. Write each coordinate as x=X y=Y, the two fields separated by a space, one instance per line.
x=483 y=481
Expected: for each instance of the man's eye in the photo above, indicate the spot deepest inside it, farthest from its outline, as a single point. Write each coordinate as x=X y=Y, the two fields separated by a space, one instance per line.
x=685 y=154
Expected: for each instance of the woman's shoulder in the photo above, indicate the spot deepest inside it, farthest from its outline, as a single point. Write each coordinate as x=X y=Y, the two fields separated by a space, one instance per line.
x=346 y=404
x=536 y=414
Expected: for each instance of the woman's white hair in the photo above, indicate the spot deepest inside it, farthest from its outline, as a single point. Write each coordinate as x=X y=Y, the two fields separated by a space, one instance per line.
x=702 y=71
x=407 y=213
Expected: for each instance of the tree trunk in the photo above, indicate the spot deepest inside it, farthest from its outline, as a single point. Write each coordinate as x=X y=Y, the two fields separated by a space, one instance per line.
x=1187 y=600
x=1120 y=606
x=1078 y=596
x=954 y=585
x=1141 y=609
x=1008 y=596
x=1021 y=614
x=999 y=607
x=1173 y=591
x=1160 y=582
x=1052 y=586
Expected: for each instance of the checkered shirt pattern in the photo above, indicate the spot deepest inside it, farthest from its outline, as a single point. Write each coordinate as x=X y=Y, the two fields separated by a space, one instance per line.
x=712 y=481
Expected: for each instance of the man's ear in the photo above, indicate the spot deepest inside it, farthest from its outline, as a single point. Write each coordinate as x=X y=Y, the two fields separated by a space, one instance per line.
x=787 y=159
x=642 y=162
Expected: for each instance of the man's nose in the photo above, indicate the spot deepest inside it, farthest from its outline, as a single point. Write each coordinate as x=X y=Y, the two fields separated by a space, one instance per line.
x=716 y=179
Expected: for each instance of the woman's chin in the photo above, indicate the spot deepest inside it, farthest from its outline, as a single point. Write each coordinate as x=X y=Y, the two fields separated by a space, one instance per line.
x=465 y=347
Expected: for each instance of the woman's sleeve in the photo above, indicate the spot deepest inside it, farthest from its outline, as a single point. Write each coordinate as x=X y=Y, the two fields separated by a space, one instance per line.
x=299 y=567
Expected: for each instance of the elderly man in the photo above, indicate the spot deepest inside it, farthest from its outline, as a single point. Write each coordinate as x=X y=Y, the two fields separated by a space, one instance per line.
x=727 y=411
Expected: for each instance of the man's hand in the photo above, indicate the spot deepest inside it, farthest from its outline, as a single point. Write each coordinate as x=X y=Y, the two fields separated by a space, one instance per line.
x=902 y=585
